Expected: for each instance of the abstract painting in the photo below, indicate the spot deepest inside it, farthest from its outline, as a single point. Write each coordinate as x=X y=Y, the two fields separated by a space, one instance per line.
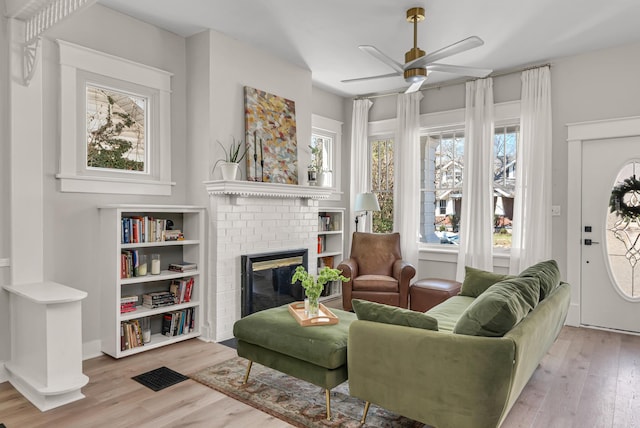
x=270 y=123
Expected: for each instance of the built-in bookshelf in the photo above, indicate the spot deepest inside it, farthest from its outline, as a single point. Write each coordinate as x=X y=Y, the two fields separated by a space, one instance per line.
x=331 y=243
x=152 y=260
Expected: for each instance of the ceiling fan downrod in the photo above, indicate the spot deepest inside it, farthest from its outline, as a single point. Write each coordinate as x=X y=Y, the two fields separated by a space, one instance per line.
x=412 y=75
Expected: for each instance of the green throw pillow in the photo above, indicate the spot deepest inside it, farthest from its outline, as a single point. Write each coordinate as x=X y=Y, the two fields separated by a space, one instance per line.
x=500 y=308
x=377 y=312
x=547 y=272
x=476 y=281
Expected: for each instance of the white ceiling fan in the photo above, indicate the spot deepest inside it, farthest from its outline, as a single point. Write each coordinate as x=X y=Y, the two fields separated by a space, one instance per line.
x=418 y=64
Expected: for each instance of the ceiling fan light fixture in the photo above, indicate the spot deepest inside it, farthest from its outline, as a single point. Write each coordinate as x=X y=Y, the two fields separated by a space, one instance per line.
x=415 y=75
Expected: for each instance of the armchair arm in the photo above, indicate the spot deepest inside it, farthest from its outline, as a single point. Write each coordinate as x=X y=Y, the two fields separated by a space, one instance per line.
x=349 y=269
x=403 y=271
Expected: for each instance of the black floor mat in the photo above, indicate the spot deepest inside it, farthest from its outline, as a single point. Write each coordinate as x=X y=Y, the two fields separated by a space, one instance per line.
x=160 y=378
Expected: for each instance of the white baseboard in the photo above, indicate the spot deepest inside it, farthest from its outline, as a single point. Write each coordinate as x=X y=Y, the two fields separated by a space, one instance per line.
x=91 y=349
x=4 y=376
x=573 y=317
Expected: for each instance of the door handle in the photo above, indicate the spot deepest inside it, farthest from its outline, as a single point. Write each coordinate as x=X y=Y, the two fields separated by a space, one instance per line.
x=590 y=242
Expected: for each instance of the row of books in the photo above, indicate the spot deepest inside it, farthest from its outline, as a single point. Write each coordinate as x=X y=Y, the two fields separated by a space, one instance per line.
x=139 y=229
x=128 y=304
x=178 y=322
x=180 y=291
x=326 y=223
x=322 y=243
x=130 y=264
x=130 y=335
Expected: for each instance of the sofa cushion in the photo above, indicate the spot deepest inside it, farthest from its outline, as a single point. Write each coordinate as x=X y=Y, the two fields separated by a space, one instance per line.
x=547 y=272
x=476 y=281
x=449 y=312
x=378 y=312
x=500 y=308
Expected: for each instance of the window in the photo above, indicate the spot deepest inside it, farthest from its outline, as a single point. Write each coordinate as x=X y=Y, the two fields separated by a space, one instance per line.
x=442 y=178
x=116 y=137
x=115 y=124
x=325 y=148
x=382 y=184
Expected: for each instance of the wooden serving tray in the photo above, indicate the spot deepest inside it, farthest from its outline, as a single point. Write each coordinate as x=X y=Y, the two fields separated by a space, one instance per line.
x=325 y=316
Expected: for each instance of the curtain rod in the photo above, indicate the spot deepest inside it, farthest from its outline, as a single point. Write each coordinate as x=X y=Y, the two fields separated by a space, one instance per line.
x=454 y=82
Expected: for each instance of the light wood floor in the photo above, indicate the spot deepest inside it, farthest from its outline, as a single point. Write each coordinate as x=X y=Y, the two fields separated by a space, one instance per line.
x=590 y=378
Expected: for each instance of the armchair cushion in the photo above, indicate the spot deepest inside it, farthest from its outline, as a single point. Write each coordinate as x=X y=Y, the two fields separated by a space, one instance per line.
x=500 y=308
x=375 y=282
x=476 y=281
x=377 y=312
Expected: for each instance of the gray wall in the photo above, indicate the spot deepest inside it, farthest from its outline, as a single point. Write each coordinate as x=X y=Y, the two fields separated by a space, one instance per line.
x=71 y=220
x=4 y=181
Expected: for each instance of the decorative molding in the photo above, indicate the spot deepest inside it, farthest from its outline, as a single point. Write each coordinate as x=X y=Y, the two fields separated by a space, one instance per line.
x=251 y=189
x=39 y=16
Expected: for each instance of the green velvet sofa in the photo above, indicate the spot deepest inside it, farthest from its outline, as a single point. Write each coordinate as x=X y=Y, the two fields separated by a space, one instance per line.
x=448 y=379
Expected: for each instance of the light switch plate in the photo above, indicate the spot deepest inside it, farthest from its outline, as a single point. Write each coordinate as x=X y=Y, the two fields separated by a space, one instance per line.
x=555 y=210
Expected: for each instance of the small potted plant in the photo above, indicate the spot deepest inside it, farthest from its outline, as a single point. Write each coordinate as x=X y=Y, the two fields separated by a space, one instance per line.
x=313 y=286
x=230 y=165
x=312 y=169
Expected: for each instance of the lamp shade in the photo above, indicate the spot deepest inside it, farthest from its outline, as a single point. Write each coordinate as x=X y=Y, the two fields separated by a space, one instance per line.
x=366 y=202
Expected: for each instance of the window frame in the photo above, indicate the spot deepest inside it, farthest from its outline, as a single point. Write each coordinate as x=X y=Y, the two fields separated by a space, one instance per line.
x=80 y=66
x=505 y=113
x=330 y=128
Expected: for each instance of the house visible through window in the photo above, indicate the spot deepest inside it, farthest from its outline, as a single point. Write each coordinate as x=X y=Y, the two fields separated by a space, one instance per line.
x=382 y=184
x=442 y=178
x=116 y=137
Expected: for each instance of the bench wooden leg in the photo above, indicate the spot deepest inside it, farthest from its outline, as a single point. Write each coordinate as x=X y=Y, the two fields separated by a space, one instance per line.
x=327 y=394
x=246 y=375
x=364 y=414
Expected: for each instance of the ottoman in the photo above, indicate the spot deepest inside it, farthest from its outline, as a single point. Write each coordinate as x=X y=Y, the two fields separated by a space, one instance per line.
x=316 y=354
x=426 y=293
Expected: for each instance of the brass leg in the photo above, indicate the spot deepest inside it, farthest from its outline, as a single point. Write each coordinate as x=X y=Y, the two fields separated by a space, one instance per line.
x=246 y=375
x=364 y=414
x=327 y=394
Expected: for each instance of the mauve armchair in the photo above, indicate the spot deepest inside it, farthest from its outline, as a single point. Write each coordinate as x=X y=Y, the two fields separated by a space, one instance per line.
x=376 y=271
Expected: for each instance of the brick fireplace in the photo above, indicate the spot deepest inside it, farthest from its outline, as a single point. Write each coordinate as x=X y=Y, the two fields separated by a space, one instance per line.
x=248 y=218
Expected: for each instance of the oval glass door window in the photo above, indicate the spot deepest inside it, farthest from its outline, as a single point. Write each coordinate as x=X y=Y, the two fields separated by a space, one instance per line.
x=623 y=232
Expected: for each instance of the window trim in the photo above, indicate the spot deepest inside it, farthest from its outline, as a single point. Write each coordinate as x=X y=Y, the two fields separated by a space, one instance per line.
x=80 y=65
x=331 y=128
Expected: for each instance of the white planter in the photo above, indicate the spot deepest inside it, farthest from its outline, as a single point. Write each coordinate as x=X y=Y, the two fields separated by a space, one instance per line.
x=229 y=170
x=325 y=178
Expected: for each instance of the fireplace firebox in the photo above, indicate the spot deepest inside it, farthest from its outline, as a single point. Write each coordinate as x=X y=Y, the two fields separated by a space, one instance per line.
x=266 y=279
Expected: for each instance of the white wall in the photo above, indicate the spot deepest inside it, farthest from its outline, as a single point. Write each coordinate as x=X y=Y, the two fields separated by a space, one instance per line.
x=71 y=220
x=4 y=184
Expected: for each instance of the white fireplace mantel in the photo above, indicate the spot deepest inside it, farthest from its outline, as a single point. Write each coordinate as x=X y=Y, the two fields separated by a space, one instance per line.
x=252 y=189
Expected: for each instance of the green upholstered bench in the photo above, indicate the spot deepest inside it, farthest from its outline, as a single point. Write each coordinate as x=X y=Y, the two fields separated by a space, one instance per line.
x=316 y=354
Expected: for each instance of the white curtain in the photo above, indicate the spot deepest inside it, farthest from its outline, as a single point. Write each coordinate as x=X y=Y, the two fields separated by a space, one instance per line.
x=531 y=233
x=360 y=168
x=476 y=219
x=406 y=201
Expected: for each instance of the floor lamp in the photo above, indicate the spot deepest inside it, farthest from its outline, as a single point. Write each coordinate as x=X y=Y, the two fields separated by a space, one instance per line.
x=365 y=202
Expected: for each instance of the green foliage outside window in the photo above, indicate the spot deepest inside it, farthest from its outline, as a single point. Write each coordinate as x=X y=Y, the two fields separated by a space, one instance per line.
x=382 y=181
x=106 y=146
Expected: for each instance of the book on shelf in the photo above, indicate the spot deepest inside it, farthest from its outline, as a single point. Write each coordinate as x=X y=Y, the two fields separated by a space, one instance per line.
x=157 y=299
x=321 y=244
x=172 y=235
x=130 y=335
x=177 y=323
x=181 y=290
x=326 y=261
x=182 y=266
x=141 y=229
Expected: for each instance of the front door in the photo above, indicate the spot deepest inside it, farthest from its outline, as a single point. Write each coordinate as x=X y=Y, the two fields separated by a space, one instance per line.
x=611 y=234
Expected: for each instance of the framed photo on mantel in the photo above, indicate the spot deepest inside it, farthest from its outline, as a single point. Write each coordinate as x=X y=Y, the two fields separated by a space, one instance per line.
x=270 y=122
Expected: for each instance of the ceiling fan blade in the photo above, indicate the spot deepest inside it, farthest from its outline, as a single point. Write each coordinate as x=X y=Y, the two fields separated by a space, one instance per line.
x=362 y=79
x=460 y=69
x=376 y=53
x=414 y=87
x=456 y=48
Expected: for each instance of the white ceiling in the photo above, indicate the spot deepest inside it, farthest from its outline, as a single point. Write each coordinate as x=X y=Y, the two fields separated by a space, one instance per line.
x=323 y=35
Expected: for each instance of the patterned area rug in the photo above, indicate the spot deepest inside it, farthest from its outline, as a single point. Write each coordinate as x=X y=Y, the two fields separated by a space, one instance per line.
x=295 y=401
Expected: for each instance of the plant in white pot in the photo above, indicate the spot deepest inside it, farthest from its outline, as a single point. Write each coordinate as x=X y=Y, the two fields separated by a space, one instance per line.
x=230 y=165
x=313 y=286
